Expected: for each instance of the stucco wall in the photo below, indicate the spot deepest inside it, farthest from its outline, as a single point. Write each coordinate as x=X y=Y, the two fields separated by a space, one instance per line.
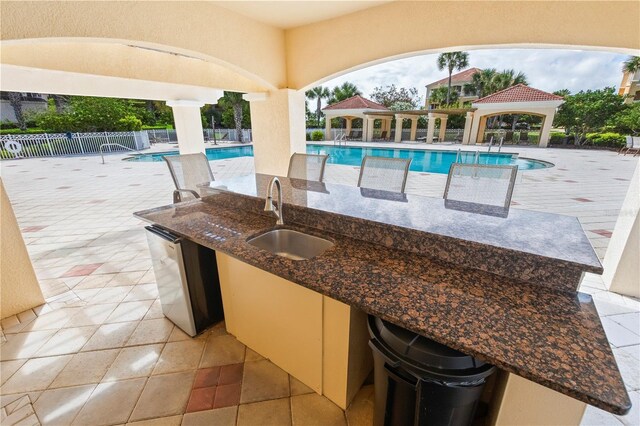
x=319 y=51
x=7 y=113
x=19 y=289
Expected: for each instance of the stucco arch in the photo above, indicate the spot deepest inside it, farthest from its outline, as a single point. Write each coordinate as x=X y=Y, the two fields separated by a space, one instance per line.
x=404 y=29
x=199 y=30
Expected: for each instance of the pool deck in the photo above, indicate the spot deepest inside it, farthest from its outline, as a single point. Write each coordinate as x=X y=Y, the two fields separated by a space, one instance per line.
x=76 y=212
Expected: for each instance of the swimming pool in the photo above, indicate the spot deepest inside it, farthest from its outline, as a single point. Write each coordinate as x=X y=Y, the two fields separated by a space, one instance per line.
x=426 y=161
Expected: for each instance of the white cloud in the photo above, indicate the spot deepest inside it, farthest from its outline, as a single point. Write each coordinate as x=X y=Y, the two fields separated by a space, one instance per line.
x=546 y=69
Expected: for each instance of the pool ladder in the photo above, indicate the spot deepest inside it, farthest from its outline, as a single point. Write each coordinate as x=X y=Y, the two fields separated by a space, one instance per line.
x=115 y=144
x=476 y=159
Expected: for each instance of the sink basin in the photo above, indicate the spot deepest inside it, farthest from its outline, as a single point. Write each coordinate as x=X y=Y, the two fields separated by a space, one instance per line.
x=291 y=244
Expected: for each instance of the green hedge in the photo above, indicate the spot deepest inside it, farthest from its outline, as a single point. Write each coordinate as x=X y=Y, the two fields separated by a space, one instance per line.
x=317 y=135
x=21 y=132
x=610 y=139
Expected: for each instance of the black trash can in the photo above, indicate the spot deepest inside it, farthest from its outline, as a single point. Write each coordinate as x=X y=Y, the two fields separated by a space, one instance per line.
x=421 y=382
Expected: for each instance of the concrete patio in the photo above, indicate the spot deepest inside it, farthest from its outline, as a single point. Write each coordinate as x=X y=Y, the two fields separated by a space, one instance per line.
x=100 y=351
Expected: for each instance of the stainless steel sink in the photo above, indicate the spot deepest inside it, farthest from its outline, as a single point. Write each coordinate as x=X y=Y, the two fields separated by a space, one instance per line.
x=291 y=244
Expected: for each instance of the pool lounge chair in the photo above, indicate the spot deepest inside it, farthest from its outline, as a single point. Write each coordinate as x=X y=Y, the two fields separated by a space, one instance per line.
x=307 y=166
x=634 y=147
x=481 y=184
x=383 y=137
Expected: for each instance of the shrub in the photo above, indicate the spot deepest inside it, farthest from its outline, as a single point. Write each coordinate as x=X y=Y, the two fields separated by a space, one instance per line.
x=557 y=138
x=129 y=123
x=613 y=140
x=308 y=136
x=317 y=135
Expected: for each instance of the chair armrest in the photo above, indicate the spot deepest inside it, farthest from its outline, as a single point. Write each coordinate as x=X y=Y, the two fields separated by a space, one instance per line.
x=176 y=194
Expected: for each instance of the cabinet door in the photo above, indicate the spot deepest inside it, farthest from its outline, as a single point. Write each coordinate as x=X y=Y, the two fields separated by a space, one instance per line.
x=280 y=320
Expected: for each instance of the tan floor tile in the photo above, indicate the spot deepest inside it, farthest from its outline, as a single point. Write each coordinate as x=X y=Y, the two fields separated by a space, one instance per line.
x=129 y=311
x=274 y=412
x=94 y=281
x=360 y=411
x=136 y=361
x=7 y=368
x=314 y=409
x=109 y=336
x=67 y=341
x=36 y=374
x=85 y=368
x=60 y=406
x=91 y=315
x=251 y=355
x=156 y=399
x=222 y=350
x=151 y=331
x=125 y=279
x=263 y=380
x=155 y=311
x=24 y=345
x=161 y=421
x=110 y=403
x=52 y=320
x=142 y=292
x=111 y=294
x=179 y=356
x=219 y=417
x=177 y=335
x=297 y=387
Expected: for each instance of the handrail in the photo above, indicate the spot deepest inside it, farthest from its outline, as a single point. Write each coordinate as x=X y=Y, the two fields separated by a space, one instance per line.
x=458 y=156
x=490 y=143
x=115 y=144
x=477 y=159
x=500 y=146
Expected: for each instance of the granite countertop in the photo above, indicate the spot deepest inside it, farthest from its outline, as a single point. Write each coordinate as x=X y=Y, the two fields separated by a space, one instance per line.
x=554 y=338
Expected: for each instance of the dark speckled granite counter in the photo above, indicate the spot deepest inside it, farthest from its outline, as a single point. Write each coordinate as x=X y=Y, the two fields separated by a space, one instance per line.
x=551 y=337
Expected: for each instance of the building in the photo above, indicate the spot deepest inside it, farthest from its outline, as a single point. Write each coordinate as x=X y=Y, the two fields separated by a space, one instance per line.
x=31 y=102
x=630 y=86
x=460 y=83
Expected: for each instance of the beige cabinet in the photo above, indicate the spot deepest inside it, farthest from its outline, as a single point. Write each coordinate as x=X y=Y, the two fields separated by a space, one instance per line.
x=318 y=340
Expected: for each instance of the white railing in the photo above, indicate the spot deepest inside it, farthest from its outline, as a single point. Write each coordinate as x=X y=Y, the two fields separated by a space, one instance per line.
x=63 y=144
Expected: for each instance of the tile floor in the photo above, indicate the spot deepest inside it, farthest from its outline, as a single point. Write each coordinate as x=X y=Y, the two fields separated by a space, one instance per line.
x=100 y=351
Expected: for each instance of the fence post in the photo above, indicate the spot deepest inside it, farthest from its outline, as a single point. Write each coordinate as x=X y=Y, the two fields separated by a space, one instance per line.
x=80 y=142
x=46 y=136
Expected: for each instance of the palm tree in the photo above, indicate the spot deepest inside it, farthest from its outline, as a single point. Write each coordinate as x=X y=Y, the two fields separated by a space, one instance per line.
x=452 y=61
x=507 y=78
x=318 y=93
x=235 y=100
x=483 y=81
x=345 y=91
x=15 y=100
x=631 y=65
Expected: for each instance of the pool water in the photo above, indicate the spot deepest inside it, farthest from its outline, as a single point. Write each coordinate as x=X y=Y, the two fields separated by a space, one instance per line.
x=421 y=160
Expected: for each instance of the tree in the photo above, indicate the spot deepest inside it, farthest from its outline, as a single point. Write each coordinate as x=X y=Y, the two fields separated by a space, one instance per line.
x=588 y=111
x=319 y=93
x=345 y=91
x=439 y=96
x=631 y=65
x=391 y=95
x=483 y=81
x=627 y=120
x=15 y=100
x=452 y=61
x=235 y=102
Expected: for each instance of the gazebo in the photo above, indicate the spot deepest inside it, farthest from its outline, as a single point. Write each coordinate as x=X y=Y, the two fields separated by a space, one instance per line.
x=518 y=99
x=358 y=107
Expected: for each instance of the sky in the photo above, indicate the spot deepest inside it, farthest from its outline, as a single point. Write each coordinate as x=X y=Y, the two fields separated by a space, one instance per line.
x=546 y=69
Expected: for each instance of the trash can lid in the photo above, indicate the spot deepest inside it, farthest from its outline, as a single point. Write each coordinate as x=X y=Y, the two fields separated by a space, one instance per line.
x=420 y=350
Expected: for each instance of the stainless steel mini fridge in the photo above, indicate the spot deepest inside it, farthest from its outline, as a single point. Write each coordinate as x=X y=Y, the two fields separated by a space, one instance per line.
x=187 y=278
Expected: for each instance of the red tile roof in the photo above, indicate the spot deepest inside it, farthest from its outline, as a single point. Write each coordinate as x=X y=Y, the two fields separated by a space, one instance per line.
x=518 y=93
x=356 y=102
x=462 y=77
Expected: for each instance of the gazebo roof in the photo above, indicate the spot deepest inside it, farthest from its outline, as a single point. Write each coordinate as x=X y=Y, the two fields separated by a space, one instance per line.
x=518 y=93
x=356 y=102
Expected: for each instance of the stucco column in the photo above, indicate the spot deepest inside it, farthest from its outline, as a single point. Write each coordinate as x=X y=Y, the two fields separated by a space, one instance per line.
x=278 y=127
x=468 y=122
x=398 y=136
x=327 y=128
x=443 y=129
x=621 y=267
x=188 y=121
x=431 y=125
x=369 y=127
x=545 y=131
x=479 y=133
x=414 y=128
x=349 y=123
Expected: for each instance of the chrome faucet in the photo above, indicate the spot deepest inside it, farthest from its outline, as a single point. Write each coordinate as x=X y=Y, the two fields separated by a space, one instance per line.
x=269 y=206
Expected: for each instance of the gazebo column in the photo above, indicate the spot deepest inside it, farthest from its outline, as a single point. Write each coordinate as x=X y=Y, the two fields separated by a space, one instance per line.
x=443 y=129
x=545 y=131
x=414 y=128
x=349 y=123
x=367 y=127
x=398 y=136
x=431 y=125
x=327 y=128
x=186 y=115
x=278 y=127
x=468 y=122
